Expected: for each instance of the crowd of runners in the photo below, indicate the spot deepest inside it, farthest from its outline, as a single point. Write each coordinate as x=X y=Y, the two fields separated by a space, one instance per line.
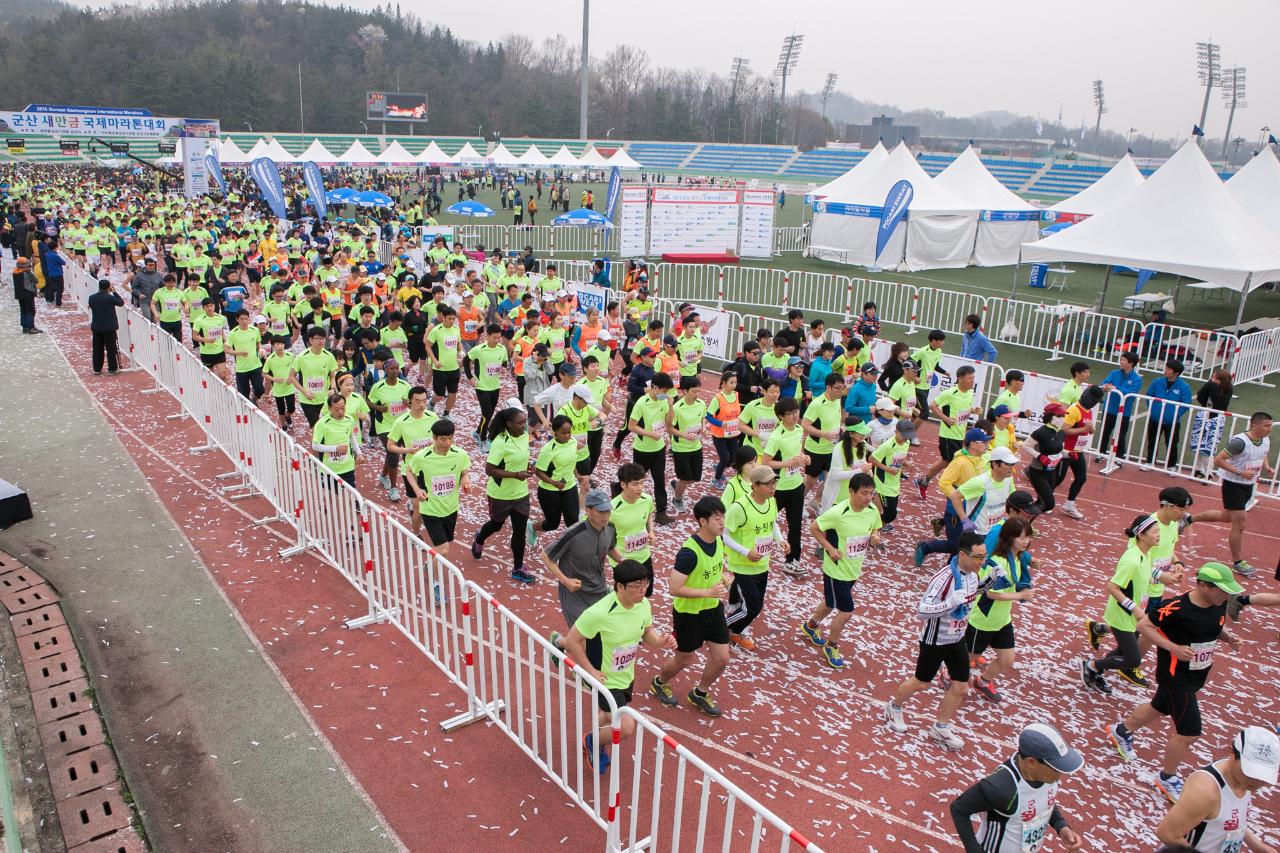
x=792 y=458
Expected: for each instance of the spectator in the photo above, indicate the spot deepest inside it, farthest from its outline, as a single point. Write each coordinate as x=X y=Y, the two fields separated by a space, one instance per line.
x=974 y=344
x=1206 y=427
x=1121 y=382
x=1165 y=420
x=600 y=274
x=24 y=290
x=104 y=325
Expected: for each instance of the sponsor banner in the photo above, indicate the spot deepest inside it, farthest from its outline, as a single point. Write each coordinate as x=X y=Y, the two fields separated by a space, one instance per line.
x=591 y=296
x=939 y=383
x=715 y=332
x=195 y=169
x=315 y=185
x=894 y=211
x=615 y=187
x=267 y=176
x=840 y=209
x=105 y=123
x=1011 y=215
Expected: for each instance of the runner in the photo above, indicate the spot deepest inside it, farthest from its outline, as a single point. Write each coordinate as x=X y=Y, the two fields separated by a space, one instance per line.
x=390 y=398
x=750 y=529
x=333 y=437
x=1213 y=811
x=209 y=330
x=845 y=532
x=697 y=583
x=1007 y=570
x=244 y=343
x=1046 y=445
x=759 y=417
x=276 y=370
x=444 y=348
x=595 y=379
x=784 y=452
x=889 y=461
x=489 y=357
x=632 y=518
x=977 y=500
x=577 y=560
x=1126 y=593
x=603 y=642
x=1078 y=427
x=312 y=375
x=507 y=466
x=1016 y=803
x=850 y=456
x=557 y=483
x=649 y=449
x=1240 y=463
x=739 y=486
x=944 y=610
x=722 y=414
x=685 y=420
x=1186 y=631
x=437 y=476
x=952 y=408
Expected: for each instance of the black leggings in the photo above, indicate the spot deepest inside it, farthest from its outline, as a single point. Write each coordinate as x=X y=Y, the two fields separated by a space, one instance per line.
x=725 y=449
x=488 y=404
x=888 y=508
x=557 y=505
x=1125 y=655
x=746 y=600
x=1078 y=464
x=1171 y=433
x=1043 y=482
x=498 y=512
x=626 y=419
x=791 y=502
x=1108 y=425
x=311 y=412
x=655 y=462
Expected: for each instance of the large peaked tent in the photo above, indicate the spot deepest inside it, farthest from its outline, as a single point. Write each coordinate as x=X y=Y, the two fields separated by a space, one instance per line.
x=501 y=156
x=532 y=157
x=1257 y=187
x=395 y=154
x=938 y=233
x=277 y=152
x=1005 y=221
x=868 y=163
x=468 y=154
x=357 y=153
x=433 y=154
x=623 y=160
x=1102 y=193
x=1181 y=220
x=564 y=157
x=229 y=153
x=318 y=154
x=592 y=157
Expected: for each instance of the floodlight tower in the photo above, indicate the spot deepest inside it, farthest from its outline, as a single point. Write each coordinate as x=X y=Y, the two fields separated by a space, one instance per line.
x=787 y=60
x=827 y=89
x=1099 y=101
x=736 y=72
x=582 y=71
x=1232 y=96
x=1209 y=69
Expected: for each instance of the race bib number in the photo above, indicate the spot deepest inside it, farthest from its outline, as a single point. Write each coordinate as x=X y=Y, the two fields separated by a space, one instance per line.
x=557 y=346
x=214 y=333
x=762 y=543
x=340 y=451
x=314 y=386
x=449 y=342
x=635 y=541
x=692 y=356
x=419 y=443
x=580 y=438
x=624 y=656
x=897 y=460
x=172 y=304
x=730 y=428
x=278 y=327
x=1202 y=655
x=443 y=485
x=855 y=547
x=335 y=301
x=493 y=370
x=1052 y=461
x=1159 y=565
x=1033 y=836
x=397 y=407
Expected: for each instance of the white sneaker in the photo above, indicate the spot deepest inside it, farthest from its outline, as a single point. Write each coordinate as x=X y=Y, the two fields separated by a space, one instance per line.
x=384 y=481
x=893 y=718
x=946 y=737
x=794 y=568
x=393 y=495
x=1069 y=510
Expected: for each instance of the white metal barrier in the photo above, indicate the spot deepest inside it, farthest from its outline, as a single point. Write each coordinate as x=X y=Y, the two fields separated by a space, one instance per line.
x=480 y=645
x=1256 y=355
x=790 y=238
x=1201 y=351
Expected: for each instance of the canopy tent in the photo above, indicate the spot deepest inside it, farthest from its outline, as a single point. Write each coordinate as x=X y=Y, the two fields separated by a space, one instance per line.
x=1102 y=193
x=357 y=153
x=395 y=154
x=229 y=153
x=592 y=157
x=318 y=154
x=1181 y=220
x=467 y=154
x=532 y=157
x=1005 y=221
x=868 y=163
x=469 y=208
x=938 y=233
x=623 y=160
x=563 y=157
x=371 y=198
x=1257 y=188
x=276 y=152
x=259 y=149
x=341 y=195
x=433 y=154
x=500 y=156
x=582 y=217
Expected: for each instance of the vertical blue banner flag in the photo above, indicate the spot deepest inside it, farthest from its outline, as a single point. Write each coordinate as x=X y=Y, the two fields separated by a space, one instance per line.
x=214 y=168
x=893 y=212
x=315 y=186
x=615 y=190
x=267 y=176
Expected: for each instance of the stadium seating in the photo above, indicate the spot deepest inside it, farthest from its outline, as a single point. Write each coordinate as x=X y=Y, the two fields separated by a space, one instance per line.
x=660 y=155
x=1066 y=178
x=762 y=159
x=825 y=162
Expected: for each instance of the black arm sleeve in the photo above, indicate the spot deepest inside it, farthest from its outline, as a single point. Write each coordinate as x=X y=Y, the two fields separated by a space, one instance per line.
x=996 y=795
x=1056 y=821
x=686 y=561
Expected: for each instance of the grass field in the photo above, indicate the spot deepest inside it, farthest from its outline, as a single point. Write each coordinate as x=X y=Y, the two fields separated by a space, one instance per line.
x=1084 y=289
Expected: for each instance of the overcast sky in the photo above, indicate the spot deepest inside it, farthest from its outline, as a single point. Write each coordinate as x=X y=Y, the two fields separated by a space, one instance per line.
x=961 y=58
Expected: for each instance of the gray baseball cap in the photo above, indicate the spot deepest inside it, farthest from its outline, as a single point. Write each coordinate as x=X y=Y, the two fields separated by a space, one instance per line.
x=1042 y=741
x=599 y=500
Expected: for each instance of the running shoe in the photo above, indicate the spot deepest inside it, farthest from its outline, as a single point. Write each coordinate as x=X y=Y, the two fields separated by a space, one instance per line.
x=597 y=759
x=554 y=639
x=704 y=703
x=477 y=550
x=893 y=718
x=384 y=481
x=1170 y=786
x=888 y=528
x=1095 y=634
x=918 y=559
x=720 y=484
x=1251 y=503
x=678 y=505
x=1088 y=676
x=946 y=737
x=915 y=442
x=1134 y=676
x=811 y=633
x=1124 y=743
x=1234 y=606
x=664 y=519
x=1069 y=510
x=986 y=689
x=743 y=642
x=794 y=568
x=1243 y=569
x=923 y=485
x=393 y=495
x=519 y=574
x=664 y=693
x=833 y=656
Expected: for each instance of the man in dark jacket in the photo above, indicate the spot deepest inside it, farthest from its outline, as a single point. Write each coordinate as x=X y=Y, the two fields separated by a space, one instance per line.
x=24 y=290
x=750 y=374
x=103 y=324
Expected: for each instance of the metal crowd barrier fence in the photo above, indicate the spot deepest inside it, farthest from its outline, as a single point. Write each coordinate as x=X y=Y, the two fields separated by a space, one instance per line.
x=790 y=238
x=561 y=239
x=1201 y=351
x=505 y=669
x=1256 y=355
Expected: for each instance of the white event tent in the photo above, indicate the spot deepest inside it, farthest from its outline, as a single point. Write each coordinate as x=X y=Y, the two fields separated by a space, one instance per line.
x=467 y=154
x=277 y=152
x=592 y=157
x=318 y=154
x=938 y=233
x=564 y=157
x=532 y=157
x=1102 y=193
x=1181 y=220
x=1257 y=187
x=229 y=153
x=357 y=153
x=259 y=149
x=501 y=156
x=395 y=154
x=868 y=163
x=1005 y=221
x=433 y=154
x=623 y=160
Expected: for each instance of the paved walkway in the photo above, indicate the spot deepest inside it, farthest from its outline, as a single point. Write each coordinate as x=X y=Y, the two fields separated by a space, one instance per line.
x=215 y=747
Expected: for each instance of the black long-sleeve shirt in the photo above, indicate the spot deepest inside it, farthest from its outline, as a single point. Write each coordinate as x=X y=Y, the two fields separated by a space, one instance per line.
x=749 y=376
x=639 y=379
x=997 y=796
x=102 y=310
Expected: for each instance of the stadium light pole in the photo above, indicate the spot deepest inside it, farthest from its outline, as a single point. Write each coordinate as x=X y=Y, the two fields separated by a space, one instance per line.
x=738 y=68
x=787 y=60
x=246 y=124
x=1233 y=95
x=582 y=72
x=1099 y=101
x=827 y=89
x=1209 y=69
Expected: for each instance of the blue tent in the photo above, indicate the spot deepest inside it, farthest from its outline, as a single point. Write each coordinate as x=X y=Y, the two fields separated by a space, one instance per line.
x=340 y=195
x=469 y=208
x=370 y=198
x=582 y=216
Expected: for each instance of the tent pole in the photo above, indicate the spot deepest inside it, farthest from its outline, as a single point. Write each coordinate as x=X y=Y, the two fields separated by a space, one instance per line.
x=1244 y=293
x=1177 y=282
x=1013 y=291
x=1102 y=297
